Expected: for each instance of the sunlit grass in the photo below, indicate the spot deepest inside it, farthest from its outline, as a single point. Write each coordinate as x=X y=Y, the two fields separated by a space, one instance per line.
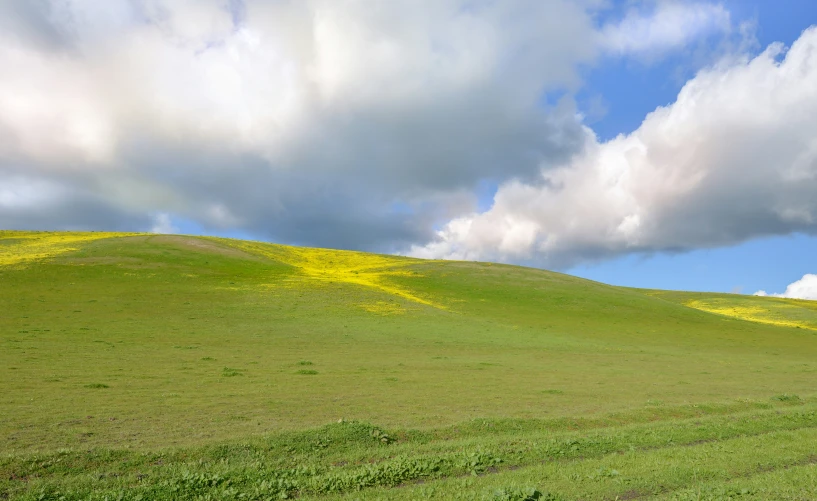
x=781 y=312
x=18 y=248
x=777 y=314
x=383 y=308
x=347 y=267
x=172 y=367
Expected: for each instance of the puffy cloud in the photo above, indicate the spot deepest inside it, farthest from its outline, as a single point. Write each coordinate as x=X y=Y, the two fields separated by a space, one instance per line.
x=735 y=157
x=805 y=288
x=163 y=224
x=340 y=123
x=669 y=25
x=366 y=124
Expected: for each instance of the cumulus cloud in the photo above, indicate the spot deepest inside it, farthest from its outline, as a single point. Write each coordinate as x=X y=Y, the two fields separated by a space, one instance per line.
x=668 y=25
x=734 y=157
x=805 y=288
x=369 y=124
x=338 y=123
x=163 y=224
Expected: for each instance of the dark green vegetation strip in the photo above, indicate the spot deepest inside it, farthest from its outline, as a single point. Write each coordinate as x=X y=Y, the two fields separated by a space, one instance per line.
x=720 y=470
x=352 y=457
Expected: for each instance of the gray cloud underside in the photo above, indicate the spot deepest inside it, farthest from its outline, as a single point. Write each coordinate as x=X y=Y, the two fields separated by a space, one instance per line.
x=734 y=158
x=319 y=123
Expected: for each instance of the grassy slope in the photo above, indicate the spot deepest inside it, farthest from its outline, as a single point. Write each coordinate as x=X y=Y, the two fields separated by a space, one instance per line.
x=140 y=343
x=782 y=312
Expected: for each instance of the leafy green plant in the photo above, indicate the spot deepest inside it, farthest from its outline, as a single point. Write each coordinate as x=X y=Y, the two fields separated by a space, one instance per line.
x=515 y=494
x=381 y=436
x=785 y=397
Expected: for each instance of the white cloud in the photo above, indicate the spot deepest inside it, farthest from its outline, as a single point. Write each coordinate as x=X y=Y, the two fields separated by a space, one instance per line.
x=365 y=124
x=805 y=288
x=301 y=121
x=669 y=25
x=735 y=157
x=163 y=224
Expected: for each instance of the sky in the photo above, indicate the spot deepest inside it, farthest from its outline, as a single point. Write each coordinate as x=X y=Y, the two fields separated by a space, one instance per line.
x=654 y=143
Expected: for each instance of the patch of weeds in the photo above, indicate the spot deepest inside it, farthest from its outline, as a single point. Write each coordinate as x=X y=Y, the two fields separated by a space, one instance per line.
x=786 y=397
x=553 y=392
x=208 y=359
x=713 y=494
x=307 y=372
x=381 y=436
x=515 y=494
x=391 y=379
x=228 y=372
x=97 y=385
x=305 y=362
x=477 y=462
x=603 y=473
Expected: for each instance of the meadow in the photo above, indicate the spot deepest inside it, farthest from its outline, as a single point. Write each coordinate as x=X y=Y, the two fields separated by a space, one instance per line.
x=140 y=366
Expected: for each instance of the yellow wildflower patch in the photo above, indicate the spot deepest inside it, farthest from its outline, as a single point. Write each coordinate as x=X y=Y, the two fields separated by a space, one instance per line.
x=338 y=266
x=18 y=248
x=776 y=312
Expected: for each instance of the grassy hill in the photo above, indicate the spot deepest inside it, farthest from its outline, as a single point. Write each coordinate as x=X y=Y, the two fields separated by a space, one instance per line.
x=175 y=367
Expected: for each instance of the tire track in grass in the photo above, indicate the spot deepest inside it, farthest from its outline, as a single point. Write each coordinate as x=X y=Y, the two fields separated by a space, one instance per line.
x=631 y=475
x=501 y=458
x=403 y=466
x=795 y=482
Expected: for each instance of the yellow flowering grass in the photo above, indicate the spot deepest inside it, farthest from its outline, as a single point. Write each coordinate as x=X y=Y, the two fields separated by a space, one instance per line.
x=339 y=266
x=783 y=312
x=18 y=248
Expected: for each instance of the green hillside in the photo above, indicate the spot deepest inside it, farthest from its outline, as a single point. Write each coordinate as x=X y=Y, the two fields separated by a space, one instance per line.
x=767 y=310
x=176 y=367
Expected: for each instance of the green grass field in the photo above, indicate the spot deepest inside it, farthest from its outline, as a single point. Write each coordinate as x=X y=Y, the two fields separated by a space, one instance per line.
x=172 y=367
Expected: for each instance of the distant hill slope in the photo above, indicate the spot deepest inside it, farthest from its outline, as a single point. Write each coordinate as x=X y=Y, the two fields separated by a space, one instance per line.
x=152 y=340
x=766 y=310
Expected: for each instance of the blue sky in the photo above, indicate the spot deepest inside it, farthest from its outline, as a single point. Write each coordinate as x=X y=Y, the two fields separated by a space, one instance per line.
x=630 y=91
x=649 y=143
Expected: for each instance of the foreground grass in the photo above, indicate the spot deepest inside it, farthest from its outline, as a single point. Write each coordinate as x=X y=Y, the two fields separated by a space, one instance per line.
x=660 y=452
x=169 y=366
